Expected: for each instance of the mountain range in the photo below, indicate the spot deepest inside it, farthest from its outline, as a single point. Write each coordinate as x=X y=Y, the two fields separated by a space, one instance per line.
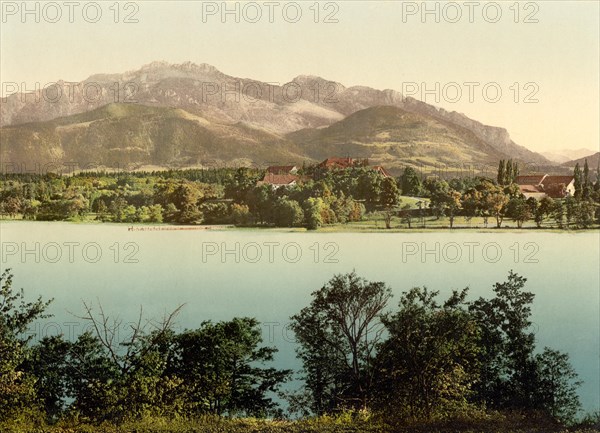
x=565 y=155
x=592 y=160
x=188 y=115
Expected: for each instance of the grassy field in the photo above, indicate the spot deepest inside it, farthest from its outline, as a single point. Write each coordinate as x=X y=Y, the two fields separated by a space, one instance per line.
x=375 y=222
x=346 y=423
x=371 y=224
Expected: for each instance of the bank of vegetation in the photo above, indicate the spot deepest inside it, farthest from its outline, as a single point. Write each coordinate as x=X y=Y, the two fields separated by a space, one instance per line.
x=427 y=364
x=357 y=197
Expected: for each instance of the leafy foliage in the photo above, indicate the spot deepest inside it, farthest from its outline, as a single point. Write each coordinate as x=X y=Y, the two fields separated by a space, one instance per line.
x=430 y=360
x=364 y=369
x=219 y=364
x=338 y=335
x=17 y=386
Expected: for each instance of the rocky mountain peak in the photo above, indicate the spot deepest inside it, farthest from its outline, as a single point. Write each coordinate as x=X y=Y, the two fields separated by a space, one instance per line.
x=321 y=102
x=156 y=66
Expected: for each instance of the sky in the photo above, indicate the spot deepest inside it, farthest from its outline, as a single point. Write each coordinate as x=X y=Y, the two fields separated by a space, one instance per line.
x=537 y=61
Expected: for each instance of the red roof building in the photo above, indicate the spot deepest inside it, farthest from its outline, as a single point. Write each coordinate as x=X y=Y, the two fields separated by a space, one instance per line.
x=279 y=180
x=534 y=191
x=535 y=179
x=342 y=163
x=543 y=185
x=339 y=163
x=559 y=186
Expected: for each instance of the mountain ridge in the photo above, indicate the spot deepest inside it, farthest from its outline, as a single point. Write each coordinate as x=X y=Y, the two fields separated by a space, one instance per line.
x=565 y=155
x=592 y=160
x=394 y=137
x=306 y=102
x=132 y=135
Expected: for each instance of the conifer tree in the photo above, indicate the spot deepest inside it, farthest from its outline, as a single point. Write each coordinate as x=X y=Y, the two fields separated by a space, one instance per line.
x=578 y=181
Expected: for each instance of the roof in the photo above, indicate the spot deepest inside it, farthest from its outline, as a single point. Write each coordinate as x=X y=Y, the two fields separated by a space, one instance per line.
x=281 y=169
x=555 y=186
x=550 y=180
x=337 y=162
x=552 y=186
x=351 y=162
x=278 y=179
x=535 y=179
x=530 y=189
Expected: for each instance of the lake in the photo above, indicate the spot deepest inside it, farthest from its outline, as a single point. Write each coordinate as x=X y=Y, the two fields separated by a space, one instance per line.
x=271 y=274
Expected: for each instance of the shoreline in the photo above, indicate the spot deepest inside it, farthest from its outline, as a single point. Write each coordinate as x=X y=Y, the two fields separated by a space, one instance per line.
x=142 y=227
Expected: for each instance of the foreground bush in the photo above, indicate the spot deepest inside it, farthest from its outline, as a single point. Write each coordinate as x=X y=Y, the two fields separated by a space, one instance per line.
x=349 y=422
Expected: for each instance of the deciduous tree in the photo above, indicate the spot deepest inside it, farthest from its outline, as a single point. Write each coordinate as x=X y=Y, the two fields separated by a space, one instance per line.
x=338 y=335
x=429 y=361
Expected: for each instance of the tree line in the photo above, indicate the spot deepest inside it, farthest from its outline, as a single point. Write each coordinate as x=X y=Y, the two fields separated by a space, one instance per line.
x=323 y=197
x=219 y=196
x=501 y=199
x=426 y=358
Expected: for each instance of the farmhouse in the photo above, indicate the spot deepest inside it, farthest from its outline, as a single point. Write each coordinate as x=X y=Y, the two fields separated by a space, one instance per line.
x=544 y=185
x=342 y=163
x=286 y=175
x=282 y=169
x=278 y=180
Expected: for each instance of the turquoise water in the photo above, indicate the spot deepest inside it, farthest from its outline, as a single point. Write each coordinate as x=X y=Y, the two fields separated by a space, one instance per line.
x=270 y=275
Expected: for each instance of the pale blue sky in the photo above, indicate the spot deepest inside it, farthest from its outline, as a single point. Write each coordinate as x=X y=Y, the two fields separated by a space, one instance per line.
x=370 y=45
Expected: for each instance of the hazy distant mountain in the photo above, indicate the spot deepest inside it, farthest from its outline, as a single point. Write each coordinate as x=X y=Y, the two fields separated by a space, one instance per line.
x=307 y=102
x=565 y=155
x=592 y=161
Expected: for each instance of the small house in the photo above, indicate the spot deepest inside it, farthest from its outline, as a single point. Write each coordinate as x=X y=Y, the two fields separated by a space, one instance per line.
x=342 y=163
x=543 y=185
x=279 y=180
